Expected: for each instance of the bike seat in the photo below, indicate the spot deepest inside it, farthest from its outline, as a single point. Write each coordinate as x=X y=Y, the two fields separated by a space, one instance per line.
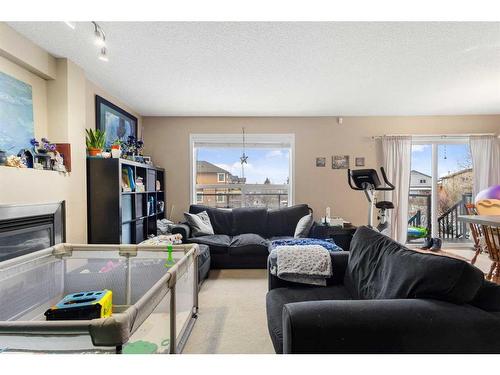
x=384 y=205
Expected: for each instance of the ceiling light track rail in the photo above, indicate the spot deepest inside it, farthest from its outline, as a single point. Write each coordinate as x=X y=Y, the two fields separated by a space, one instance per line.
x=99 y=39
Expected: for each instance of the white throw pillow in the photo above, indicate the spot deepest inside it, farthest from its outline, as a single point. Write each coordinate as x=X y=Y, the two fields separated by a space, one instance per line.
x=304 y=226
x=200 y=224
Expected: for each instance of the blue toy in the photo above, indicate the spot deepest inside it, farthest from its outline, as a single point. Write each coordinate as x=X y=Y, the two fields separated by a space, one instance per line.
x=82 y=306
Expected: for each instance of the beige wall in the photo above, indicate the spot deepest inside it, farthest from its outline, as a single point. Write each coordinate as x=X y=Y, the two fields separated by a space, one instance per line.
x=25 y=53
x=63 y=108
x=167 y=141
x=59 y=114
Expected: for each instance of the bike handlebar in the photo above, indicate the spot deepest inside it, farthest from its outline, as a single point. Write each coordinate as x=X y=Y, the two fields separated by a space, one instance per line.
x=389 y=186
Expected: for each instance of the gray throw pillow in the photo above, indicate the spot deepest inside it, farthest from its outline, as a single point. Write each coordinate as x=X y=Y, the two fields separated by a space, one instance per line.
x=304 y=226
x=200 y=224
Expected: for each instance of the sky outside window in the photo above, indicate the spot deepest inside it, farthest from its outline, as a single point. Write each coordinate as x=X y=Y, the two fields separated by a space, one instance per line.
x=262 y=163
x=457 y=158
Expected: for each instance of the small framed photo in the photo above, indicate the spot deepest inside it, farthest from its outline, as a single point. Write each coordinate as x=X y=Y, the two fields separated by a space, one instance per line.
x=147 y=160
x=320 y=162
x=340 y=162
x=359 y=161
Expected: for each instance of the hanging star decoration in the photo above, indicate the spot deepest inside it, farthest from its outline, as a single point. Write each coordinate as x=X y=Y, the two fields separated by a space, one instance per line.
x=244 y=157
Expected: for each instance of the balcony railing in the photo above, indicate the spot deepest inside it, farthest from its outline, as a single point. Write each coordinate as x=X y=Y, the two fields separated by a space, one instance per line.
x=243 y=195
x=419 y=207
x=416 y=220
x=448 y=225
x=231 y=200
x=449 y=228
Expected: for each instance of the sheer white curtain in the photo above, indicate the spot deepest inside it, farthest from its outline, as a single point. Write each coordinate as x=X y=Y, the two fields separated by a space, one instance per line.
x=397 y=164
x=485 y=151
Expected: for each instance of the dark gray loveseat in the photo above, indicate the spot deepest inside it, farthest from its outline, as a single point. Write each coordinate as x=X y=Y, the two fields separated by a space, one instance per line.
x=242 y=235
x=384 y=298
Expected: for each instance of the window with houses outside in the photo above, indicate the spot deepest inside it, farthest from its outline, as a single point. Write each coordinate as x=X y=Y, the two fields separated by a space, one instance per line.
x=453 y=189
x=221 y=180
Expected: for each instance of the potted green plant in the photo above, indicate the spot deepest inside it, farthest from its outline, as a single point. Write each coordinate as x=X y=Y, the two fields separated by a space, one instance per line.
x=116 y=149
x=95 y=141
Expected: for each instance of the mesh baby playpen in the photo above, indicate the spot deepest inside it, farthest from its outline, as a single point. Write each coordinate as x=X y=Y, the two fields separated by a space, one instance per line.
x=154 y=302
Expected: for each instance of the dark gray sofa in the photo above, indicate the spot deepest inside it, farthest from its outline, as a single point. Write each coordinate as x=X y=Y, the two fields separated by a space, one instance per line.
x=203 y=263
x=242 y=235
x=384 y=298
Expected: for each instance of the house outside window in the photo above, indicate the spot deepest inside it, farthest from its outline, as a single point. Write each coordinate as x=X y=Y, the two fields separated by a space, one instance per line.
x=445 y=163
x=219 y=179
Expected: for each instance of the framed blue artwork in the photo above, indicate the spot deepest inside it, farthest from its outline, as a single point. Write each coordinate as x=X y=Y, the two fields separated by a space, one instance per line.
x=16 y=114
x=114 y=121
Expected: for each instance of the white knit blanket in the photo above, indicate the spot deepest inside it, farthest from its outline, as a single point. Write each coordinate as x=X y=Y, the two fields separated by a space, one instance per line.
x=307 y=264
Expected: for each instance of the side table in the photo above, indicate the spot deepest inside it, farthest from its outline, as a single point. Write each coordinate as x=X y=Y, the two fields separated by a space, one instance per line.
x=342 y=236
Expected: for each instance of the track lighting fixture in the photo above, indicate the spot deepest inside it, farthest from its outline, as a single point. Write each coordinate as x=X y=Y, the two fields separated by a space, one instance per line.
x=100 y=37
x=103 y=55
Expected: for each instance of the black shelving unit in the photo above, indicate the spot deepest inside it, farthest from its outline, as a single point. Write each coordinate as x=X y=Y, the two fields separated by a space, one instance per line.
x=122 y=217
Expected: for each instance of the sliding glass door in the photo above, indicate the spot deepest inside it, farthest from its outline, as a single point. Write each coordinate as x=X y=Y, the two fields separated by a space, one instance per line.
x=440 y=186
x=420 y=195
x=454 y=191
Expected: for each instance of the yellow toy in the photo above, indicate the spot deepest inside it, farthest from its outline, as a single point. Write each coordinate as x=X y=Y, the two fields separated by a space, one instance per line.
x=83 y=306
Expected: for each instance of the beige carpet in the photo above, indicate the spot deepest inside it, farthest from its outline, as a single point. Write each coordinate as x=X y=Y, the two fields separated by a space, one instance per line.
x=232 y=314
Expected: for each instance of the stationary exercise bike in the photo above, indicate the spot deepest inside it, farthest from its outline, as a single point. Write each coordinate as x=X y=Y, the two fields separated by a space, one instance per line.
x=367 y=180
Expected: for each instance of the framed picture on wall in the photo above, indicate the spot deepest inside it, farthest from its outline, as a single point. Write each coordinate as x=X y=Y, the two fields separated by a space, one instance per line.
x=359 y=161
x=340 y=162
x=116 y=122
x=16 y=114
x=320 y=162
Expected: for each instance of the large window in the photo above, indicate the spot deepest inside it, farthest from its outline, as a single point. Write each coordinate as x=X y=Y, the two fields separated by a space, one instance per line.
x=440 y=186
x=220 y=179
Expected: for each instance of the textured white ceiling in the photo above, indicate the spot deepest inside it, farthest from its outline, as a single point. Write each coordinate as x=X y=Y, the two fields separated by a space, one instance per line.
x=288 y=69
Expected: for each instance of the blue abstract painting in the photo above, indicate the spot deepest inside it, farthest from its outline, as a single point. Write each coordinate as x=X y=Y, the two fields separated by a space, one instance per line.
x=16 y=114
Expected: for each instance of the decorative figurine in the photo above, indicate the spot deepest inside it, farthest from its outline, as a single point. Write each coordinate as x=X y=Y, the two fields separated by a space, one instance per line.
x=58 y=163
x=14 y=161
x=28 y=157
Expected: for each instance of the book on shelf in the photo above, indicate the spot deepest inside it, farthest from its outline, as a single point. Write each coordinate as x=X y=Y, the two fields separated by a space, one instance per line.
x=128 y=183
